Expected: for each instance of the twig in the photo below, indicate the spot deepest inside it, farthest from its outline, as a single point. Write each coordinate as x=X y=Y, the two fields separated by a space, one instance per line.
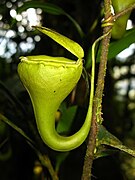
x=124 y=11
x=44 y=159
x=87 y=168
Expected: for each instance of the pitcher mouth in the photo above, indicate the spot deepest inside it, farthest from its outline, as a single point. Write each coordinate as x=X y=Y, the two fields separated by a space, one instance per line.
x=49 y=60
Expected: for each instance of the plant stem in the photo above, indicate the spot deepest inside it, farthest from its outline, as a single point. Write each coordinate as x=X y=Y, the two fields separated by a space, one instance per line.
x=44 y=159
x=124 y=11
x=87 y=168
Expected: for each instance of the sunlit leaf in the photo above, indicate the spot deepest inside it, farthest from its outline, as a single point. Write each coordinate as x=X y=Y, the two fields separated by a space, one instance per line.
x=67 y=43
x=115 y=47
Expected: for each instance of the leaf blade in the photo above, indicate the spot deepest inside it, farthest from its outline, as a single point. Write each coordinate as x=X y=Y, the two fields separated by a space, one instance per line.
x=123 y=43
x=106 y=138
x=67 y=43
x=114 y=48
x=67 y=118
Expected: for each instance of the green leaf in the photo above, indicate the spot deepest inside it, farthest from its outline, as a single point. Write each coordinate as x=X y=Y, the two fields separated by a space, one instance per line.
x=67 y=118
x=102 y=151
x=51 y=9
x=106 y=138
x=115 y=47
x=67 y=43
